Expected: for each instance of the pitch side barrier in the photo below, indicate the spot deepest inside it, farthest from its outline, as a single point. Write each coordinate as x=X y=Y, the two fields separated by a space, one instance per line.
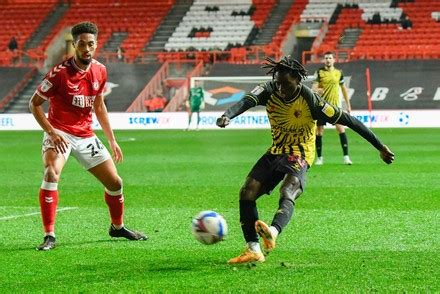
x=248 y=120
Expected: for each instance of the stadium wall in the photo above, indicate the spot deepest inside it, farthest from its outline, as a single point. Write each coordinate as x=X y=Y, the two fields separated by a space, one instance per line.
x=408 y=84
x=125 y=82
x=248 y=120
x=395 y=85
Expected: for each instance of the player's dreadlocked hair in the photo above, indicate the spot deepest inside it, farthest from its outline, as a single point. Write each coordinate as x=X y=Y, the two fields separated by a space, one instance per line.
x=84 y=27
x=286 y=64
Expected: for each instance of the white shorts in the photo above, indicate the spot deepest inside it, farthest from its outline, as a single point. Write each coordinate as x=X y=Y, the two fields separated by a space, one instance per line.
x=88 y=151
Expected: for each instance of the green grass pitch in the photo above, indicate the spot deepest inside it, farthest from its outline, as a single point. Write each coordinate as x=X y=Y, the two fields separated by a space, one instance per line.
x=362 y=228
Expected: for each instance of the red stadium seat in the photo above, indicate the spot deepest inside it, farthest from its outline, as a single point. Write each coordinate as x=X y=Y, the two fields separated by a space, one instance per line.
x=386 y=40
x=138 y=18
x=15 y=20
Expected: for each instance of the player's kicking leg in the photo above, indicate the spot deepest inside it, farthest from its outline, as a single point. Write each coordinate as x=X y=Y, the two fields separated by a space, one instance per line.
x=290 y=190
x=268 y=234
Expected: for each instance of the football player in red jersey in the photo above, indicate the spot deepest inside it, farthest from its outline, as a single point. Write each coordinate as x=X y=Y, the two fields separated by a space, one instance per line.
x=73 y=88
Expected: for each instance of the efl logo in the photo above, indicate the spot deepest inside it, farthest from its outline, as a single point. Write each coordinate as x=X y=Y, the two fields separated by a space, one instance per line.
x=6 y=122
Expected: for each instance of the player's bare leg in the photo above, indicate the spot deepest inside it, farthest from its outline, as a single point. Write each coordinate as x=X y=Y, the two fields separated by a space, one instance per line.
x=249 y=193
x=107 y=174
x=189 y=119
x=344 y=144
x=198 y=120
x=48 y=196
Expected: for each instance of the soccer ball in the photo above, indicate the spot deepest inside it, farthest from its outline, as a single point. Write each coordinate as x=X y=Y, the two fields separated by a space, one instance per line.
x=209 y=227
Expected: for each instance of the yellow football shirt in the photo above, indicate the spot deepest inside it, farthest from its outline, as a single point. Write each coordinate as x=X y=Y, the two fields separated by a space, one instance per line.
x=293 y=123
x=330 y=81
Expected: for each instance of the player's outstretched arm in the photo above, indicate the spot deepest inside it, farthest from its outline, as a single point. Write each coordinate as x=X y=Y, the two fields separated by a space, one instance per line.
x=334 y=115
x=222 y=121
x=386 y=154
x=350 y=121
x=233 y=111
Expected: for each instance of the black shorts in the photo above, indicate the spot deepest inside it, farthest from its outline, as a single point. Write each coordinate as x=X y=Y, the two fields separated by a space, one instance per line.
x=320 y=122
x=271 y=169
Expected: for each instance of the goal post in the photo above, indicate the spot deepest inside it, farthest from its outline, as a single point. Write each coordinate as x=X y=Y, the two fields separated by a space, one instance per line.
x=232 y=79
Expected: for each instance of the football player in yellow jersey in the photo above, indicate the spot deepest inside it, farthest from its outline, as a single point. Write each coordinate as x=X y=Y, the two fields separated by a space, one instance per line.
x=329 y=81
x=292 y=109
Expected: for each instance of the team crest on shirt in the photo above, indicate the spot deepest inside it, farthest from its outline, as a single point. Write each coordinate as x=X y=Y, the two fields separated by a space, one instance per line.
x=45 y=85
x=96 y=86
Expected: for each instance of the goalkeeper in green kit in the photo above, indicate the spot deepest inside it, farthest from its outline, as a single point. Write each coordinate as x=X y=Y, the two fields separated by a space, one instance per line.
x=195 y=101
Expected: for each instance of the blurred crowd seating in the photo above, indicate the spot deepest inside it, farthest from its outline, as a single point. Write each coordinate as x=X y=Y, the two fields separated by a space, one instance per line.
x=214 y=30
x=384 y=39
x=20 y=20
x=231 y=23
x=139 y=19
x=226 y=28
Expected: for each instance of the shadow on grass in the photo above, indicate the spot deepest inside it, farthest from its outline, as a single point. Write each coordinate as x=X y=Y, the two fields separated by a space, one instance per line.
x=63 y=244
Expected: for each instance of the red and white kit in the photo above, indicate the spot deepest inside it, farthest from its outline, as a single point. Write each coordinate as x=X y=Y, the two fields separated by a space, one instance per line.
x=71 y=92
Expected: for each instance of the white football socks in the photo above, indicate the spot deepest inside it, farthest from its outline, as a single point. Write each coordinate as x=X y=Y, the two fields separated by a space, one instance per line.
x=273 y=231
x=118 y=227
x=254 y=246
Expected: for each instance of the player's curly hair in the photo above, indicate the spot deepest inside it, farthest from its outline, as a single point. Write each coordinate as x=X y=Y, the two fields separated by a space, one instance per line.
x=286 y=64
x=84 y=28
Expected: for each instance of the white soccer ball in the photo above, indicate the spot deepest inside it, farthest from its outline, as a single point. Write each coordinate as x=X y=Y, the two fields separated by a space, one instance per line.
x=209 y=227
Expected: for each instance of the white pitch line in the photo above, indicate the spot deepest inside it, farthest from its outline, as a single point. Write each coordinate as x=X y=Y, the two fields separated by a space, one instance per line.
x=33 y=213
x=130 y=139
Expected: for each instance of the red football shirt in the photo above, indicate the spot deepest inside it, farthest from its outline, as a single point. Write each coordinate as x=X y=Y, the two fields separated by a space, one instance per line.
x=71 y=92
